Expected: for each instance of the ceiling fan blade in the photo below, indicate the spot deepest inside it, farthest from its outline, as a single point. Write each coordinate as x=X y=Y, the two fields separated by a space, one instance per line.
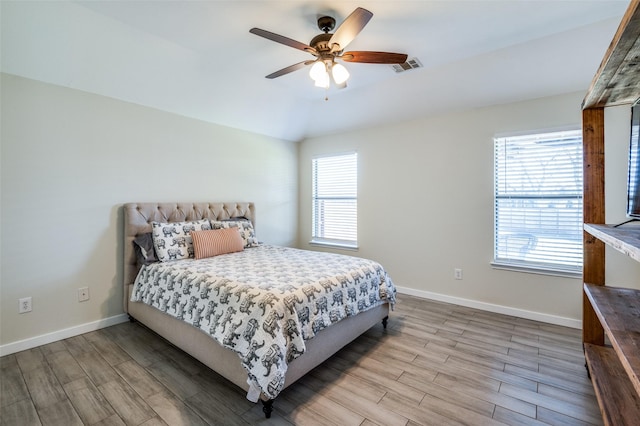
x=349 y=29
x=374 y=57
x=282 y=40
x=290 y=68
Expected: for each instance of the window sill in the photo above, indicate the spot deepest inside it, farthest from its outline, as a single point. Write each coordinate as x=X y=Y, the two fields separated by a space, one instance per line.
x=531 y=269
x=342 y=246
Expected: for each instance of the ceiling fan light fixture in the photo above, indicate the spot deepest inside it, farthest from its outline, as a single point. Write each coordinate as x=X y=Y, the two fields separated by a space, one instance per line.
x=323 y=81
x=340 y=73
x=318 y=71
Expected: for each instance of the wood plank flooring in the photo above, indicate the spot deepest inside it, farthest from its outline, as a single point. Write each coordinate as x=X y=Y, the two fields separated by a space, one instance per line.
x=436 y=364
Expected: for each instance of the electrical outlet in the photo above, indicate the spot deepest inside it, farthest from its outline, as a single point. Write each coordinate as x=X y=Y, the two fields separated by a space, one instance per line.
x=83 y=294
x=457 y=273
x=24 y=305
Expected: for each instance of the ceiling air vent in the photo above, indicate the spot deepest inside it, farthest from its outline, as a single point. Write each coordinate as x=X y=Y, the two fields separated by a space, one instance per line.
x=411 y=63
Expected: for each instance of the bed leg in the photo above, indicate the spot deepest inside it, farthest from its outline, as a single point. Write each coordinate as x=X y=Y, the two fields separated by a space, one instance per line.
x=384 y=322
x=132 y=319
x=267 y=407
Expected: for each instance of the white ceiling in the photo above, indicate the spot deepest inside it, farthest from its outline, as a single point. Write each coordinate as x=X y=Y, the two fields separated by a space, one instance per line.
x=198 y=59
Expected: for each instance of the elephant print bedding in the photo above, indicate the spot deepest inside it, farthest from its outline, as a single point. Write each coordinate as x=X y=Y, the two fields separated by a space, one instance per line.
x=264 y=302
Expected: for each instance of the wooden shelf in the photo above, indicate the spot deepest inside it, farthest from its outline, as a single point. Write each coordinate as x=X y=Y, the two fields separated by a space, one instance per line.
x=625 y=240
x=618 y=310
x=619 y=403
x=615 y=82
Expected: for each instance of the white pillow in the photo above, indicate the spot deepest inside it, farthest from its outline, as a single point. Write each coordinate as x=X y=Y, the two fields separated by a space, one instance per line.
x=245 y=227
x=173 y=240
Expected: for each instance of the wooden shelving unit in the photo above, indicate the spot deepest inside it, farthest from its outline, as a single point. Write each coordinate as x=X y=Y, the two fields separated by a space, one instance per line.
x=614 y=311
x=619 y=312
x=616 y=397
x=615 y=369
x=625 y=240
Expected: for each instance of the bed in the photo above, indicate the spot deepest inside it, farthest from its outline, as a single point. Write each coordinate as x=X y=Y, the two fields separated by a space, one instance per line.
x=295 y=315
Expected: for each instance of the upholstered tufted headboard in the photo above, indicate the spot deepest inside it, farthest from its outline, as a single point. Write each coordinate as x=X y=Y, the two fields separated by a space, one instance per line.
x=138 y=218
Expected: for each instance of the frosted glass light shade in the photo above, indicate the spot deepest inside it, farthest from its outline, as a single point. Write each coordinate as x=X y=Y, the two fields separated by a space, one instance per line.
x=323 y=81
x=318 y=70
x=340 y=73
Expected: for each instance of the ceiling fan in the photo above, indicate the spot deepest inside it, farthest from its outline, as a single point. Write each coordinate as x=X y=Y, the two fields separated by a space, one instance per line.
x=327 y=48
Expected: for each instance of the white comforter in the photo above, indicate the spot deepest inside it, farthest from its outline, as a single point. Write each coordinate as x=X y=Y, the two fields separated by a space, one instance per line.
x=264 y=302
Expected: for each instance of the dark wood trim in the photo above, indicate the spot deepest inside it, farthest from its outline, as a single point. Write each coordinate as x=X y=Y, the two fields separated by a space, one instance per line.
x=592 y=330
x=593 y=192
x=593 y=212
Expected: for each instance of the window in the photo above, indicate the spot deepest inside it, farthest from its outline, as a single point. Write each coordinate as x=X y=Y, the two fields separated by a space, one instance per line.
x=538 y=202
x=335 y=200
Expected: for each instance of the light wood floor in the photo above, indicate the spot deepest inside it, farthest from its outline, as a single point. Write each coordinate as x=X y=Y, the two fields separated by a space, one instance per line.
x=436 y=364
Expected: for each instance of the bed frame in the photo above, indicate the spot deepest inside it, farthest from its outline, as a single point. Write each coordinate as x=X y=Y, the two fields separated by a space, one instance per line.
x=195 y=342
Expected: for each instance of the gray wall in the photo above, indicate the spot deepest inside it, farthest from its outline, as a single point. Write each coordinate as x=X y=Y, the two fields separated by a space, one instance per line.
x=69 y=161
x=425 y=205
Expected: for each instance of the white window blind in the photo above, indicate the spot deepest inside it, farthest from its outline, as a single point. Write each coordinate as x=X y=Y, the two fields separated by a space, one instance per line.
x=335 y=200
x=538 y=201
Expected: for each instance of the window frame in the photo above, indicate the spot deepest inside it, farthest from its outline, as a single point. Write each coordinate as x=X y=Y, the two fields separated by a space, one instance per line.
x=350 y=244
x=539 y=267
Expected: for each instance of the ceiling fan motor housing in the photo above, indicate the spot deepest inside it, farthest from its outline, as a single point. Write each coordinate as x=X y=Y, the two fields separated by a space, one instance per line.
x=326 y=23
x=321 y=43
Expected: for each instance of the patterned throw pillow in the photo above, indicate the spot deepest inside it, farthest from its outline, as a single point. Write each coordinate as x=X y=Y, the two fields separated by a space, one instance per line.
x=216 y=241
x=244 y=226
x=173 y=240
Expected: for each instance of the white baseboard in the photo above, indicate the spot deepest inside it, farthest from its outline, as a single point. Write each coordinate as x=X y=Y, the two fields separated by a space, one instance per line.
x=44 y=339
x=506 y=310
x=22 y=345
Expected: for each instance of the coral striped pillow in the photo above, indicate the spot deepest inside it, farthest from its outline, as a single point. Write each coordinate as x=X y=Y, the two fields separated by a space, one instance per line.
x=216 y=241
